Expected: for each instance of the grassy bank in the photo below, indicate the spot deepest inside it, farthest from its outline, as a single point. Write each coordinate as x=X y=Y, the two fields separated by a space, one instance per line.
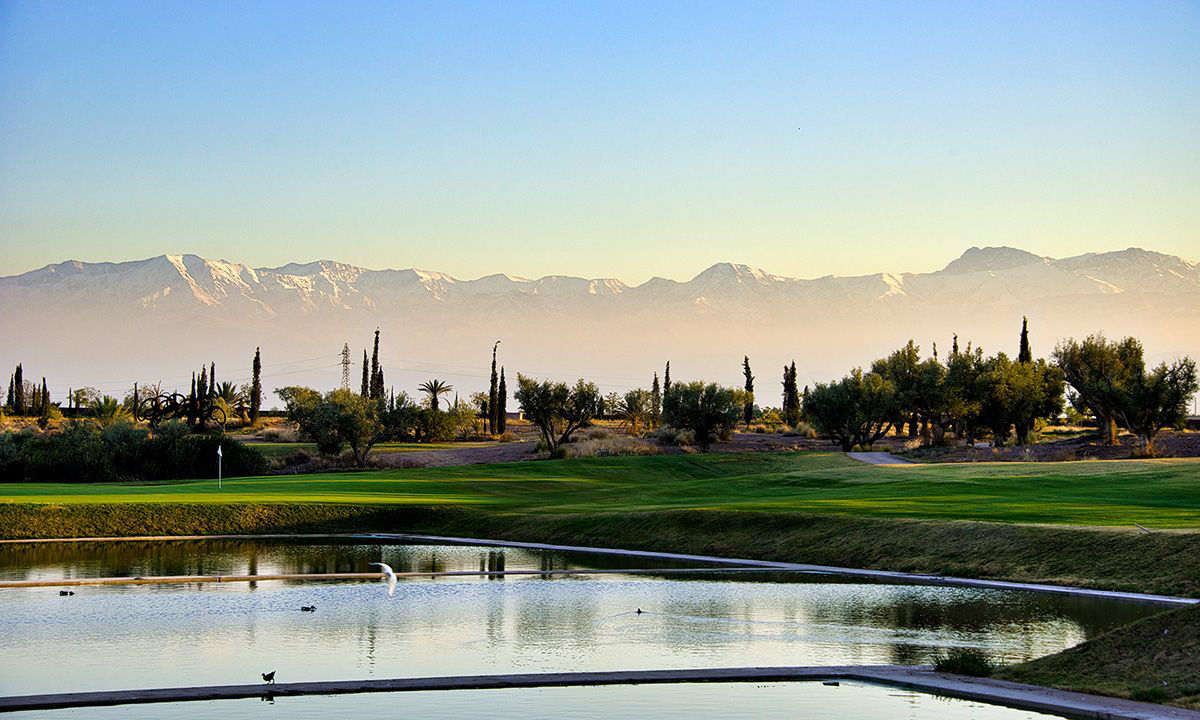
x=1163 y=494
x=1166 y=563
x=1156 y=659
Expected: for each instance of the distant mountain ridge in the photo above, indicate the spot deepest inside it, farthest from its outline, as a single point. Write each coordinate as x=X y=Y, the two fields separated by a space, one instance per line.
x=147 y=317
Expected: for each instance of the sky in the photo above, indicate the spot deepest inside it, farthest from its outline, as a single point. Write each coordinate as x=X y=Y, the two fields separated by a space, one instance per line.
x=614 y=139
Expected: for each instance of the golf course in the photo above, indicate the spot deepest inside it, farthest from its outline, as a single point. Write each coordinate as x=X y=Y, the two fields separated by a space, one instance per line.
x=1150 y=493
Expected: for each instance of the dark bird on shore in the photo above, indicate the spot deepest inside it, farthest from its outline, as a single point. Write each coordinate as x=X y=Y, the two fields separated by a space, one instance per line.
x=269 y=677
x=639 y=611
x=307 y=608
x=66 y=592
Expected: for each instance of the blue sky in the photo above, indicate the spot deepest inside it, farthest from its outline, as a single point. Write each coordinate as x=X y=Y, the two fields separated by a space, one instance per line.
x=597 y=138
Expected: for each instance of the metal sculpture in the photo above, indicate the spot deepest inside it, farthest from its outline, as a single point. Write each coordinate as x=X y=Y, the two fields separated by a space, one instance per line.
x=176 y=406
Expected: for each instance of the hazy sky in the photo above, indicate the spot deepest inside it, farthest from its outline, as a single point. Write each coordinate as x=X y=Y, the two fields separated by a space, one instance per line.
x=597 y=138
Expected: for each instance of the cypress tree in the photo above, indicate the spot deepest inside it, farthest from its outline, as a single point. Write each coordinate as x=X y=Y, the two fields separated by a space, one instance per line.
x=201 y=388
x=656 y=401
x=256 y=387
x=502 y=402
x=1025 y=354
x=44 y=409
x=748 y=411
x=667 y=379
x=19 y=391
x=191 y=408
x=10 y=400
x=791 y=396
x=375 y=388
x=212 y=383
x=366 y=386
x=954 y=345
x=493 y=391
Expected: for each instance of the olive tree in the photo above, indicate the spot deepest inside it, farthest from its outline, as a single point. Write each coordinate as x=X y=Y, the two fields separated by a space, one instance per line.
x=556 y=409
x=709 y=410
x=856 y=410
x=338 y=419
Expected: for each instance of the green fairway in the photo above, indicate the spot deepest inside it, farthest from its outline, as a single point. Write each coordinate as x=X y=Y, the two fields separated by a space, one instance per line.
x=1156 y=493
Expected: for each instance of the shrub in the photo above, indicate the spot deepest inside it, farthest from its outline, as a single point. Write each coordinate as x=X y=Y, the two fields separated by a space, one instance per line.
x=85 y=452
x=965 y=661
x=611 y=446
x=279 y=433
x=506 y=437
x=667 y=435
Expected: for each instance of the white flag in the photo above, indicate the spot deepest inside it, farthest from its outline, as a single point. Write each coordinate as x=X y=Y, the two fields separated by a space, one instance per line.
x=219 y=453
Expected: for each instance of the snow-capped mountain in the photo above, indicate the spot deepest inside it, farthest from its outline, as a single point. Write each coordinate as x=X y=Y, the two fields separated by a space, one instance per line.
x=108 y=324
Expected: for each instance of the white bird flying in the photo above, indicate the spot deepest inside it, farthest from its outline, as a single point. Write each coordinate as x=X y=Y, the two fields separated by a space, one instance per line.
x=391 y=577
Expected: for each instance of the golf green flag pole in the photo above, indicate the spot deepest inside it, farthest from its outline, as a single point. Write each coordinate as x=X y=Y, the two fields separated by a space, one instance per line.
x=219 y=456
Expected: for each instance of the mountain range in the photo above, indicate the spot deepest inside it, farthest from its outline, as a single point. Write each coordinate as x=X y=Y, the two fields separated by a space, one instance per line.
x=109 y=324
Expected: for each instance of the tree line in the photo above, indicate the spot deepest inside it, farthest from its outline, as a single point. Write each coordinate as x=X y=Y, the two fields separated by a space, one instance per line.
x=968 y=396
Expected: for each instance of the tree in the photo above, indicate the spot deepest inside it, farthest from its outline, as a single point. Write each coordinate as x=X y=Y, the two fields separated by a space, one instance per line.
x=929 y=397
x=84 y=397
x=857 y=410
x=610 y=405
x=502 y=404
x=748 y=410
x=791 y=396
x=435 y=389
x=634 y=408
x=1101 y=373
x=667 y=379
x=963 y=406
x=709 y=410
x=107 y=411
x=10 y=401
x=901 y=369
x=44 y=406
x=655 y=401
x=1157 y=400
x=256 y=387
x=1014 y=396
x=336 y=420
x=365 y=389
x=493 y=391
x=18 y=384
x=556 y=409
x=375 y=386
x=1024 y=353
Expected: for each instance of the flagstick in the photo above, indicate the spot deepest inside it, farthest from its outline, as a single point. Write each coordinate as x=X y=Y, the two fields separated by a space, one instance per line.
x=219 y=456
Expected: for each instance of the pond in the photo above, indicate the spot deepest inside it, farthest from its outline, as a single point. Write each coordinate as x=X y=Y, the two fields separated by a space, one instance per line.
x=142 y=636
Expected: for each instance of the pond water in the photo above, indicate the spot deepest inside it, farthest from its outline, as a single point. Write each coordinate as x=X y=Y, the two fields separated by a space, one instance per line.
x=140 y=636
x=849 y=701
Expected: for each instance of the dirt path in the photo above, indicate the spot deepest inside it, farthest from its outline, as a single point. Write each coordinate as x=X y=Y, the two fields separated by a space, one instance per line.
x=879 y=458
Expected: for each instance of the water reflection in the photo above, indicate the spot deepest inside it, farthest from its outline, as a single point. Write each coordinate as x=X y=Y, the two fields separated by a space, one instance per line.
x=38 y=561
x=160 y=635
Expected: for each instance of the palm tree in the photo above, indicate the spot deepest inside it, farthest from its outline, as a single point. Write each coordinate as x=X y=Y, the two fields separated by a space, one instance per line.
x=228 y=392
x=435 y=389
x=107 y=410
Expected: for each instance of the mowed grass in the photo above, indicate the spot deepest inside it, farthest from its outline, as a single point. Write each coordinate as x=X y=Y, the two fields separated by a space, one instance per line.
x=1153 y=493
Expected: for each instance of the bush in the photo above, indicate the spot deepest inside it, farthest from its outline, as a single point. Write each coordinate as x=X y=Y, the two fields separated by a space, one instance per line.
x=611 y=446
x=279 y=433
x=506 y=437
x=667 y=435
x=965 y=661
x=85 y=452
